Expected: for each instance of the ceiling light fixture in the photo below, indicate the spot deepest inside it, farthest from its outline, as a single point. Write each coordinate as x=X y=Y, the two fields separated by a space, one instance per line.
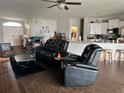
x=61 y=6
x=12 y=24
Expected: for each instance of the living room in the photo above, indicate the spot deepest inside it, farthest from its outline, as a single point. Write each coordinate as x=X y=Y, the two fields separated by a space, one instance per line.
x=47 y=46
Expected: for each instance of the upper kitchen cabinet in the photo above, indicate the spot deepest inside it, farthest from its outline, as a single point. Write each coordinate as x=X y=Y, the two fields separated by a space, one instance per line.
x=98 y=28
x=121 y=24
x=114 y=23
x=95 y=28
x=104 y=28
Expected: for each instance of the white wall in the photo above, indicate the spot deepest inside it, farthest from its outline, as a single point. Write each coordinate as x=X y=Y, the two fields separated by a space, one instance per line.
x=86 y=28
x=1 y=32
x=36 y=27
x=64 y=26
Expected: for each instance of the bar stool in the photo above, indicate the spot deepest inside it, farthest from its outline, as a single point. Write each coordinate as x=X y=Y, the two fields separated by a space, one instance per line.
x=107 y=54
x=101 y=58
x=120 y=54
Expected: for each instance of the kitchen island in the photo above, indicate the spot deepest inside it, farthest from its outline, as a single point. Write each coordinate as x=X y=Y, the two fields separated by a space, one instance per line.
x=77 y=47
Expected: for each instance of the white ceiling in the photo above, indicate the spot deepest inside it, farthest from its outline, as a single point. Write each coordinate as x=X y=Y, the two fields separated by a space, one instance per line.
x=38 y=8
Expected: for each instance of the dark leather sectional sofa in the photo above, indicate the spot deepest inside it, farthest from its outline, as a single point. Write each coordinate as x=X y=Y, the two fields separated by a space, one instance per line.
x=76 y=70
x=50 y=49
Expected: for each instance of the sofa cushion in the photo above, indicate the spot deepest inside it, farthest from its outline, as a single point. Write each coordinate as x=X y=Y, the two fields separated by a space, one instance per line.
x=52 y=47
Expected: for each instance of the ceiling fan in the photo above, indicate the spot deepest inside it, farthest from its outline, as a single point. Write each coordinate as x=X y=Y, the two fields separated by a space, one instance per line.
x=62 y=4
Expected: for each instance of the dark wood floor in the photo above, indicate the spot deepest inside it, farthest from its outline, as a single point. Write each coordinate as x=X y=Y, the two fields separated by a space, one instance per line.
x=110 y=79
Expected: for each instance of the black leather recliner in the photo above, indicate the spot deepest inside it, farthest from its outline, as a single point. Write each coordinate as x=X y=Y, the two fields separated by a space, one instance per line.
x=51 y=48
x=81 y=70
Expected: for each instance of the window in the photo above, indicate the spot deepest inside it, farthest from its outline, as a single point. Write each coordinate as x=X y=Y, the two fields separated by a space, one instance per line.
x=15 y=24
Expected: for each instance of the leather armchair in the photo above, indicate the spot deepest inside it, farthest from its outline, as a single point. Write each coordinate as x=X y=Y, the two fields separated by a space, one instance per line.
x=6 y=50
x=51 y=48
x=81 y=70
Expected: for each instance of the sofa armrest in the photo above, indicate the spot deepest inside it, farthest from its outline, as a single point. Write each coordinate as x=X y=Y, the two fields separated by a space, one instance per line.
x=86 y=66
x=73 y=62
x=74 y=56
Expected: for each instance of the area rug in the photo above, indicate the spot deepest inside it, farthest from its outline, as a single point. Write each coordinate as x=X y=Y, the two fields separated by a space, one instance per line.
x=25 y=68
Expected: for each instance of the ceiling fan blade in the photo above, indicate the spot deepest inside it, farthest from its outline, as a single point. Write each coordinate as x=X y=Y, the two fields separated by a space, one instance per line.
x=63 y=1
x=59 y=1
x=66 y=8
x=52 y=5
x=73 y=3
x=50 y=1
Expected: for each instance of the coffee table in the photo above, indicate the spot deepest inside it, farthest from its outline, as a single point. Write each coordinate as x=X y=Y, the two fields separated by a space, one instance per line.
x=24 y=64
x=23 y=58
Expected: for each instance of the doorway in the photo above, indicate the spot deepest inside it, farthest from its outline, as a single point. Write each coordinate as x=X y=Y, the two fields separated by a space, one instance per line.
x=12 y=34
x=74 y=33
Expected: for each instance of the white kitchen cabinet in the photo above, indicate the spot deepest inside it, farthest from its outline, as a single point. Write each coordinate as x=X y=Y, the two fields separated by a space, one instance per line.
x=104 y=28
x=95 y=28
x=98 y=28
x=121 y=24
x=114 y=23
